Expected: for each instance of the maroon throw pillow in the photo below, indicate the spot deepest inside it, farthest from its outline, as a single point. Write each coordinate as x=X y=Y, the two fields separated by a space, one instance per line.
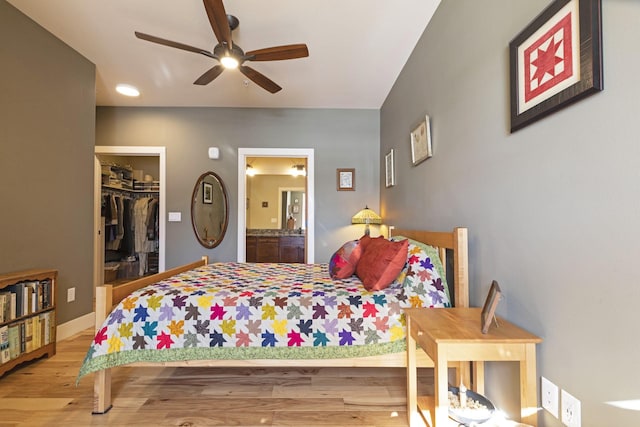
x=381 y=261
x=343 y=262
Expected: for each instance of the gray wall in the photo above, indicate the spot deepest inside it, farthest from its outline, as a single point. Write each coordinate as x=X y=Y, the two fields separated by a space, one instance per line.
x=340 y=138
x=552 y=210
x=47 y=127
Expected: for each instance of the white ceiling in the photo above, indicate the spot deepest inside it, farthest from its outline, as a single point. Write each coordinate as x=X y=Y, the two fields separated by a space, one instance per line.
x=357 y=48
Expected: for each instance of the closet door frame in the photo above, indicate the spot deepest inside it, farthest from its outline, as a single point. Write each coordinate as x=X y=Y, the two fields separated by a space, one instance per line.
x=98 y=246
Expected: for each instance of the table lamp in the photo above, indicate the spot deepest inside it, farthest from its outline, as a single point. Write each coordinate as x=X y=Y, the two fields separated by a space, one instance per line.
x=366 y=216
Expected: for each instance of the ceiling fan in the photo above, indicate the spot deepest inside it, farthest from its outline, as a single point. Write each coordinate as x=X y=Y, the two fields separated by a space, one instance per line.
x=229 y=54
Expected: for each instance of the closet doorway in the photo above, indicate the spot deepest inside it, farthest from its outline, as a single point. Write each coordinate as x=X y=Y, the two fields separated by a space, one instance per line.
x=148 y=167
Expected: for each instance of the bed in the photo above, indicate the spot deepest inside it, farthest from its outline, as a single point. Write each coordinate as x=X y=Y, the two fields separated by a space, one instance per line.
x=137 y=323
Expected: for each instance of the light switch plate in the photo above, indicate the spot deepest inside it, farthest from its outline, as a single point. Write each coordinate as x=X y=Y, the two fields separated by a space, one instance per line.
x=175 y=216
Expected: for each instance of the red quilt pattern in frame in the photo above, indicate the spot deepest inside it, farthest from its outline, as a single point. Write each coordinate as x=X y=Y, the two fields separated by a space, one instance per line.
x=549 y=59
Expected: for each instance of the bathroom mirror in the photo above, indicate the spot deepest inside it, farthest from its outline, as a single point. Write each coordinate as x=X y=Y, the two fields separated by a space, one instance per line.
x=209 y=210
x=292 y=208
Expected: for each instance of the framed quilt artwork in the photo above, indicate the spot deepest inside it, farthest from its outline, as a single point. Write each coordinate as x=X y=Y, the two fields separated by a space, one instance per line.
x=556 y=60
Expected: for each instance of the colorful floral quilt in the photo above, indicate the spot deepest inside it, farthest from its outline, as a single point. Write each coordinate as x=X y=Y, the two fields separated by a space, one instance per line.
x=244 y=311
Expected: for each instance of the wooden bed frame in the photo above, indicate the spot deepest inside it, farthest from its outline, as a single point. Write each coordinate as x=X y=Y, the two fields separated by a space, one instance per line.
x=107 y=296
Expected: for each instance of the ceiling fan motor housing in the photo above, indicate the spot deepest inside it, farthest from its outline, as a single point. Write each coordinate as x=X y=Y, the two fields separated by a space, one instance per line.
x=221 y=50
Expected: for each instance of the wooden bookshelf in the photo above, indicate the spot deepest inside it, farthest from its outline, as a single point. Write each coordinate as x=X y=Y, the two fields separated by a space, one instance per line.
x=27 y=318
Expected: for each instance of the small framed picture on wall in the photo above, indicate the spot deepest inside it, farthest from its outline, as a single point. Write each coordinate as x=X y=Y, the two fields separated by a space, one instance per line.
x=346 y=179
x=421 y=142
x=389 y=175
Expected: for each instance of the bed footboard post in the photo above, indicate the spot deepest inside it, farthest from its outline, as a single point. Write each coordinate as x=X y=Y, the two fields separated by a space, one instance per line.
x=102 y=379
x=461 y=267
x=102 y=392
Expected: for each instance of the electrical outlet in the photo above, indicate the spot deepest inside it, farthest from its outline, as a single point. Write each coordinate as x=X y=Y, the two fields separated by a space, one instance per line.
x=549 y=396
x=570 y=410
x=71 y=294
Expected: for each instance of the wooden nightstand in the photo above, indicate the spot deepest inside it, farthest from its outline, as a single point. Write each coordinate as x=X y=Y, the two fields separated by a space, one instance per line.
x=453 y=335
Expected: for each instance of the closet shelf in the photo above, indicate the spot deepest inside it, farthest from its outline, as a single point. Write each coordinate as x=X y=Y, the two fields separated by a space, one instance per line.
x=128 y=190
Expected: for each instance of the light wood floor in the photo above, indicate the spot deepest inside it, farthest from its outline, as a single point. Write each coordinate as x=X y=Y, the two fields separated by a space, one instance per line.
x=44 y=393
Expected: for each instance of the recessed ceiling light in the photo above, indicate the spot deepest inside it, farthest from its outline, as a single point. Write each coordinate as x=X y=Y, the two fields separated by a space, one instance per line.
x=127 y=90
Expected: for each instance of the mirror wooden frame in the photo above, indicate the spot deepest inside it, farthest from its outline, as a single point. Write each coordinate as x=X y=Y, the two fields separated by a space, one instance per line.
x=199 y=203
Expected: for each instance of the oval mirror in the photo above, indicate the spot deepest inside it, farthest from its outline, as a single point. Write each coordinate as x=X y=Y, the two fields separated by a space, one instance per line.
x=209 y=211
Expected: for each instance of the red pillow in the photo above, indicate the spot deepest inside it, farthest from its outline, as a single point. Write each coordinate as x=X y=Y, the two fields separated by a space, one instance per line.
x=381 y=261
x=343 y=262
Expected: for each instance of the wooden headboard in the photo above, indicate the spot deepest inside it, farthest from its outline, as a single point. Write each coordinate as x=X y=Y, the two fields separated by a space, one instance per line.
x=454 y=243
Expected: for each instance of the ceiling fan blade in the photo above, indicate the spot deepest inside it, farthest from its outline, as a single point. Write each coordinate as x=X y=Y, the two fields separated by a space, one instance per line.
x=218 y=20
x=259 y=79
x=171 y=43
x=209 y=76
x=278 y=53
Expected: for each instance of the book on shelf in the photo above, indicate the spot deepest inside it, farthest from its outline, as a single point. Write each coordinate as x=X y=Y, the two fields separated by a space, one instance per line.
x=44 y=326
x=36 y=342
x=18 y=290
x=12 y=308
x=28 y=296
x=14 y=340
x=46 y=293
x=23 y=343
x=28 y=336
x=5 y=355
x=4 y=307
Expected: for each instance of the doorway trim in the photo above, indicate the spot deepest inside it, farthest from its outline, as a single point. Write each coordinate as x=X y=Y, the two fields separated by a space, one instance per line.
x=306 y=153
x=160 y=152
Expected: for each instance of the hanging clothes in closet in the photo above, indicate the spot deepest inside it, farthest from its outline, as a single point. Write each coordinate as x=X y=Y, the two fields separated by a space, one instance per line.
x=132 y=228
x=116 y=208
x=145 y=227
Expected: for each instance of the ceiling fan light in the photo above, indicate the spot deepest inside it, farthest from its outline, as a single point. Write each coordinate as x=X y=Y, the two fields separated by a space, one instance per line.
x=127 y=90
x=229 y=62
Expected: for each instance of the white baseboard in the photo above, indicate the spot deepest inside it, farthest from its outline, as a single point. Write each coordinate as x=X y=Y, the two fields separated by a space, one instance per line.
x=75 y=326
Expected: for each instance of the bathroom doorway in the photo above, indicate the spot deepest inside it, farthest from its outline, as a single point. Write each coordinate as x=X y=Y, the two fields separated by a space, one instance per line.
x=306 y=159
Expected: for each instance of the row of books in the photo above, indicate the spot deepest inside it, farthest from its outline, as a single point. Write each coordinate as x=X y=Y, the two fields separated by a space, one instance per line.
x=25 y=298
x=26 y=336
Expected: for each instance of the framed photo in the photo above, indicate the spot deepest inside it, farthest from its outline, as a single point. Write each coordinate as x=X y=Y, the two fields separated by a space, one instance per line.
x=489 y=308
x=346 y=179
x=389 y=175
x=207 y=193
x=556 y=60
x=421 y=142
